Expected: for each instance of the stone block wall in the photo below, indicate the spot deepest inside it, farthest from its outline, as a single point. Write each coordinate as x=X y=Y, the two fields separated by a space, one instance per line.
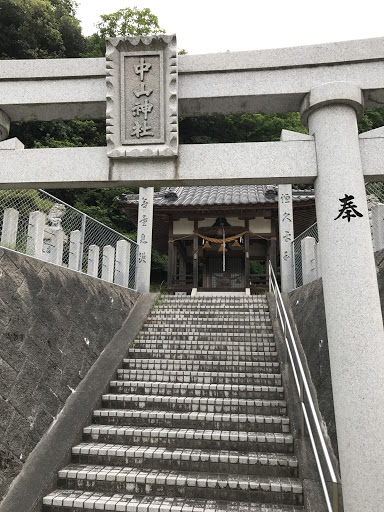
x=307 y=305
x=54 y=323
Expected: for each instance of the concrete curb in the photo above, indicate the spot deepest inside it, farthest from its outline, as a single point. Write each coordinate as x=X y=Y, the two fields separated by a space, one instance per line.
x=39 y=473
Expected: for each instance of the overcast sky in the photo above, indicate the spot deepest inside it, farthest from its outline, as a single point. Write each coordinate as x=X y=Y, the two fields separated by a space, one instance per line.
x=208 y=26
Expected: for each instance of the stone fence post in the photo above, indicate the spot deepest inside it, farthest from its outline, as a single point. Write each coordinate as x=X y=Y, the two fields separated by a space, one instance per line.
x=108 y=263
x=308 y=259
x=74 y=250
x=93 y=260
x=123 y=252
x=53 y=243
x=378 y=226
x=35 y=234
x=9 y=231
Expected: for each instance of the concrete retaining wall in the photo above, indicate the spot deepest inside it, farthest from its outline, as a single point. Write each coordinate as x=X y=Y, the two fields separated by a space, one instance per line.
x=307 y=304
x=54 y=323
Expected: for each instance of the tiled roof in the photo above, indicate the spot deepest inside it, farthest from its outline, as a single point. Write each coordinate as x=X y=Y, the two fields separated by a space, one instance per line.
x=218 y=195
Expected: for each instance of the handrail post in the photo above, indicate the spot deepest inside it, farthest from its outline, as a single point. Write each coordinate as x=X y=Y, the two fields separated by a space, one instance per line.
x=302 y=419
x=285 y=340
x=335 y=496
x=269 y=276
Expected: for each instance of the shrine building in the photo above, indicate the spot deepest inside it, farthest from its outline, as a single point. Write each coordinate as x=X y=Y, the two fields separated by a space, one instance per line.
x=219 y=237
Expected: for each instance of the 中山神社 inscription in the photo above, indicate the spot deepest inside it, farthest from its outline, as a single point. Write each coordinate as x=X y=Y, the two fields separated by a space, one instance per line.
x=142 y=97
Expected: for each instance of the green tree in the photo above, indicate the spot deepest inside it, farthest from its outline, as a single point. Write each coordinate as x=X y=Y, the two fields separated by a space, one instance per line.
x=39 y=29
x=124 y=22
x=372 y=118
x=238 y=128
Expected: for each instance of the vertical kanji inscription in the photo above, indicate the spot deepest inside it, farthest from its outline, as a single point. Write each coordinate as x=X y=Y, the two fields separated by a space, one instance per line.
x=142 y=100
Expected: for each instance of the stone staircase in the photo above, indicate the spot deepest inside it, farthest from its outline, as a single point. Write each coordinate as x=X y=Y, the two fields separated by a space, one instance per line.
x=195 y=421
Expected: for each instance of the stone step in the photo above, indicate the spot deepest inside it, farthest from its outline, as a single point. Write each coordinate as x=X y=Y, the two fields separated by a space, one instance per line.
x=229 y=317
x=197 y=413
x=222 y=294
x=197 y=390
x=213 y=313
x=199 y=365
x=189 y=438
x=194 y=404
x=194 y=377
x=206 y=336
x=221 y=301
x=202 y=355
x=193 y=420
x=218 y=298
x=63 y=499
x=199 y=326
x=186 y=460
x=219 y=306
x=117 y=479
x=175 y=344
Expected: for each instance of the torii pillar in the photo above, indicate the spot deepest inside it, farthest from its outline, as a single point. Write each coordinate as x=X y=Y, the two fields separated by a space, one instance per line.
x=352 y=303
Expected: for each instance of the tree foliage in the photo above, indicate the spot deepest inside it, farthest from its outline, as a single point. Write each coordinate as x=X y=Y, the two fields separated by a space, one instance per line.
x=372 y=118
x=129 y=22
x=124 y=22
x=238 y=128
x=39 y=29
x=60 y=134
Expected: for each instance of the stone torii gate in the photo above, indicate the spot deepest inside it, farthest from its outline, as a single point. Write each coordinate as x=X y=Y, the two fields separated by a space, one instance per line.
x=329 y=84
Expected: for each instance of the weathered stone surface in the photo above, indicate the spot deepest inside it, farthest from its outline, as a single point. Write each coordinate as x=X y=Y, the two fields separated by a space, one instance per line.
x=307 y=303
x=286 y=236
x=231 y=82
x=379 y=259
x=54 y=325
x=5 y=124
x=144 y=239
x=352 y=302
x=259 y=162
x=142 y=96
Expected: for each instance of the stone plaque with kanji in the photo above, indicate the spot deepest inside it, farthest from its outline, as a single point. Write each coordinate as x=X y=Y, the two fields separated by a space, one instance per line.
x=142 y=97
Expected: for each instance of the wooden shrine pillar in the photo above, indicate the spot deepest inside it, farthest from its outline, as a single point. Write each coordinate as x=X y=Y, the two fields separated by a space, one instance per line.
x=246 y=257
x=182 y=264
x=195 y=255
x=171 y=255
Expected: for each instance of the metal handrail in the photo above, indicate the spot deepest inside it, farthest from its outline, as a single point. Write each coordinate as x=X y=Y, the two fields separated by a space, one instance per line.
x=305 y=395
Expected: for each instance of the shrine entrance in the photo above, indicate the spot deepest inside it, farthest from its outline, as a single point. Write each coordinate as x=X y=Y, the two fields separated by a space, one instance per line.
x=216 y=277
x=218 y=238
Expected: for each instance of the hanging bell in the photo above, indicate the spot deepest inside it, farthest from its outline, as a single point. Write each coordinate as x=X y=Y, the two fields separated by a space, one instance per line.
x=236 y=243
